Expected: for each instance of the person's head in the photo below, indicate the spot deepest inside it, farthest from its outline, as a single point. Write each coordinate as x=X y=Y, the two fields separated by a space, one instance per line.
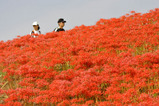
x=61 y=22
x=36 y=26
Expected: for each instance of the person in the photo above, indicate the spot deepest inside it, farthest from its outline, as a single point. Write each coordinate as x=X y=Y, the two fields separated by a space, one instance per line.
x=61 y=22
x=34 y=33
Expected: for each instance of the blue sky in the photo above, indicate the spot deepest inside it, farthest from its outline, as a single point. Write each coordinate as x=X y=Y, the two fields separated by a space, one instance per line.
x=17 y=16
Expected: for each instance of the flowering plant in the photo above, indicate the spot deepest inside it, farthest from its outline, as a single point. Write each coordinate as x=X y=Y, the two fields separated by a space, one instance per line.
x=115 y=62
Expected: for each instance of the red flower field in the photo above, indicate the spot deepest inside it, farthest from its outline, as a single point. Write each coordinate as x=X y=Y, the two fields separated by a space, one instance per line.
x=112 y=63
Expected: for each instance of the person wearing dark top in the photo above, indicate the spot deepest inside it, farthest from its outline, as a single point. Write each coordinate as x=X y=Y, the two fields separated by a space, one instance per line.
x=61 y=22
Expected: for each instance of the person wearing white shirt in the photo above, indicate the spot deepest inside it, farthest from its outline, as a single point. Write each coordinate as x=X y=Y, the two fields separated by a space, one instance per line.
x=36 y=30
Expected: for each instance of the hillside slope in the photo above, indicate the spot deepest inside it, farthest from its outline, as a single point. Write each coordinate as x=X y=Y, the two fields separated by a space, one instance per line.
x=115 y=62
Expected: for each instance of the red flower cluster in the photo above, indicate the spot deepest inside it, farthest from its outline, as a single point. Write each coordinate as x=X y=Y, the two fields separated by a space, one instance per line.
x=115 y=62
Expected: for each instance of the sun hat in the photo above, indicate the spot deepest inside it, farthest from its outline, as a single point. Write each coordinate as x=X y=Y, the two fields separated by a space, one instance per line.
x=35 y=23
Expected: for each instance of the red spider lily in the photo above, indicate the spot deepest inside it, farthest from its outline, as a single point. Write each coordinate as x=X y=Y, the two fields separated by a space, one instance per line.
x=115 y=62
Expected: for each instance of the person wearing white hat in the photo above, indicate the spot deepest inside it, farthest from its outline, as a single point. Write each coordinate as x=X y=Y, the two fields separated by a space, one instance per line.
x=36 y=30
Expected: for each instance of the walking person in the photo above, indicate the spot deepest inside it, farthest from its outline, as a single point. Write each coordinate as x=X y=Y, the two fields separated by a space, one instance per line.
x=61 y=22
x=34 y=33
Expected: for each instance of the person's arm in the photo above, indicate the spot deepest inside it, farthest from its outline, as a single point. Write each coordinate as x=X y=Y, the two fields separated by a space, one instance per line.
x=31 y=32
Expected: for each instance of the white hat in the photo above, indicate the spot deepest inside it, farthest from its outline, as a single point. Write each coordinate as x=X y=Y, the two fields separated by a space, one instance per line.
x=35 y=23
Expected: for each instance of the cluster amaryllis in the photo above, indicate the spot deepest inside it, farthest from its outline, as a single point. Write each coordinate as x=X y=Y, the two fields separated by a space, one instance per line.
x=115 y=62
